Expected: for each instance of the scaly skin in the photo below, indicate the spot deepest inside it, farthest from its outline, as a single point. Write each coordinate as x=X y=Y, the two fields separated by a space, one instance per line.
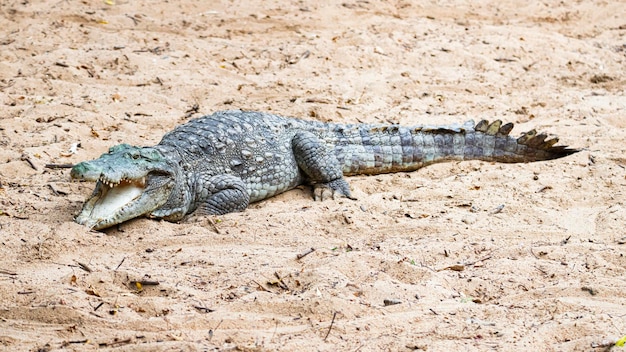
x=220 y=163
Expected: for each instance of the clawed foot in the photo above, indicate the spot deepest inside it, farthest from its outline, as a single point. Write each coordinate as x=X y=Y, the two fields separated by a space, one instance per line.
x=334 y=189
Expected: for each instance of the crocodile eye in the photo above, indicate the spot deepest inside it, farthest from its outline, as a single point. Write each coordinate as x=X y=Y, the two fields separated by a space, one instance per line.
x=149 y=155
x=132 y=155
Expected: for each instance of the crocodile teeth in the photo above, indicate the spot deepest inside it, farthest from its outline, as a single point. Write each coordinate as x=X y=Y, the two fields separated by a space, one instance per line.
x=112 y=184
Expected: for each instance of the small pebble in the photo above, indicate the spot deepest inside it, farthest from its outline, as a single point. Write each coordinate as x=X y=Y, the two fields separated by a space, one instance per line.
x=391 y=302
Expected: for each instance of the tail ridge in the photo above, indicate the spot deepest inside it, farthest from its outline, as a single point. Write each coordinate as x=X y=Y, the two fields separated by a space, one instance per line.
x=542 y=144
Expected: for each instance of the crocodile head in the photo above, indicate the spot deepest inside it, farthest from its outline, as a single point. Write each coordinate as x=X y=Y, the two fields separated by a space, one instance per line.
x=130 y=182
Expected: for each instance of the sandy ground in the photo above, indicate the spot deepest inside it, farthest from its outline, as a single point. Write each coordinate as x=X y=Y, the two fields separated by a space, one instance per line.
x=546 y=273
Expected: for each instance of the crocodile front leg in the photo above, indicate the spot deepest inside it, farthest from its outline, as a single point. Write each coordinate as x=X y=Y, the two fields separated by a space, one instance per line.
x=222 y=194
x=320 y=165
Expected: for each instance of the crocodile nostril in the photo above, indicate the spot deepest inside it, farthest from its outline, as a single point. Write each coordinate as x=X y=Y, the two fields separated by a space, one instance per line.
x=79 y=170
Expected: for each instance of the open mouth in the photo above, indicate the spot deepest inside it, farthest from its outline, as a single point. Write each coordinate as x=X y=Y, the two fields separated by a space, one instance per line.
x=117 y=200
x=115 y=196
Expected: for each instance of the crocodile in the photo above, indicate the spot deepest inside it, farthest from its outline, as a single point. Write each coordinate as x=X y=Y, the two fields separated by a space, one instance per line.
x=220 y=163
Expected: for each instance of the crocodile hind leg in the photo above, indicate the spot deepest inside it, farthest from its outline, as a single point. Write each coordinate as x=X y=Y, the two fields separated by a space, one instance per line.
x=222 y=194
x=320 y=166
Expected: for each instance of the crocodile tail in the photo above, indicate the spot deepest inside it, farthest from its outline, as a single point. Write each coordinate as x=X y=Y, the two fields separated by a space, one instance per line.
x=492 y=142
x=375 y=149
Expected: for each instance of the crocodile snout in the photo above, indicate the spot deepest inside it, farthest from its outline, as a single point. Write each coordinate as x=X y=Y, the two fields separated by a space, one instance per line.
x=84 y=170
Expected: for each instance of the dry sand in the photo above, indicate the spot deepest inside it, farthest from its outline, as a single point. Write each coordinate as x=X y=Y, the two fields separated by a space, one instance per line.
x=546 y=273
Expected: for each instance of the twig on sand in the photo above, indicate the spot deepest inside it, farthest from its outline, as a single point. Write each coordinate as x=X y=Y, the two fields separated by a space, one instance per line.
x=214 y=226
x=59 y=166
x=83 y=266
x=115 y=343
x=283 y=285
x=305 y=253
x=204 y=309
x=120 y=264
x=145 y=283
x=54 y=191
x=479 y=260
x=261 y=286
x=331 y=326
x=27 y=159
